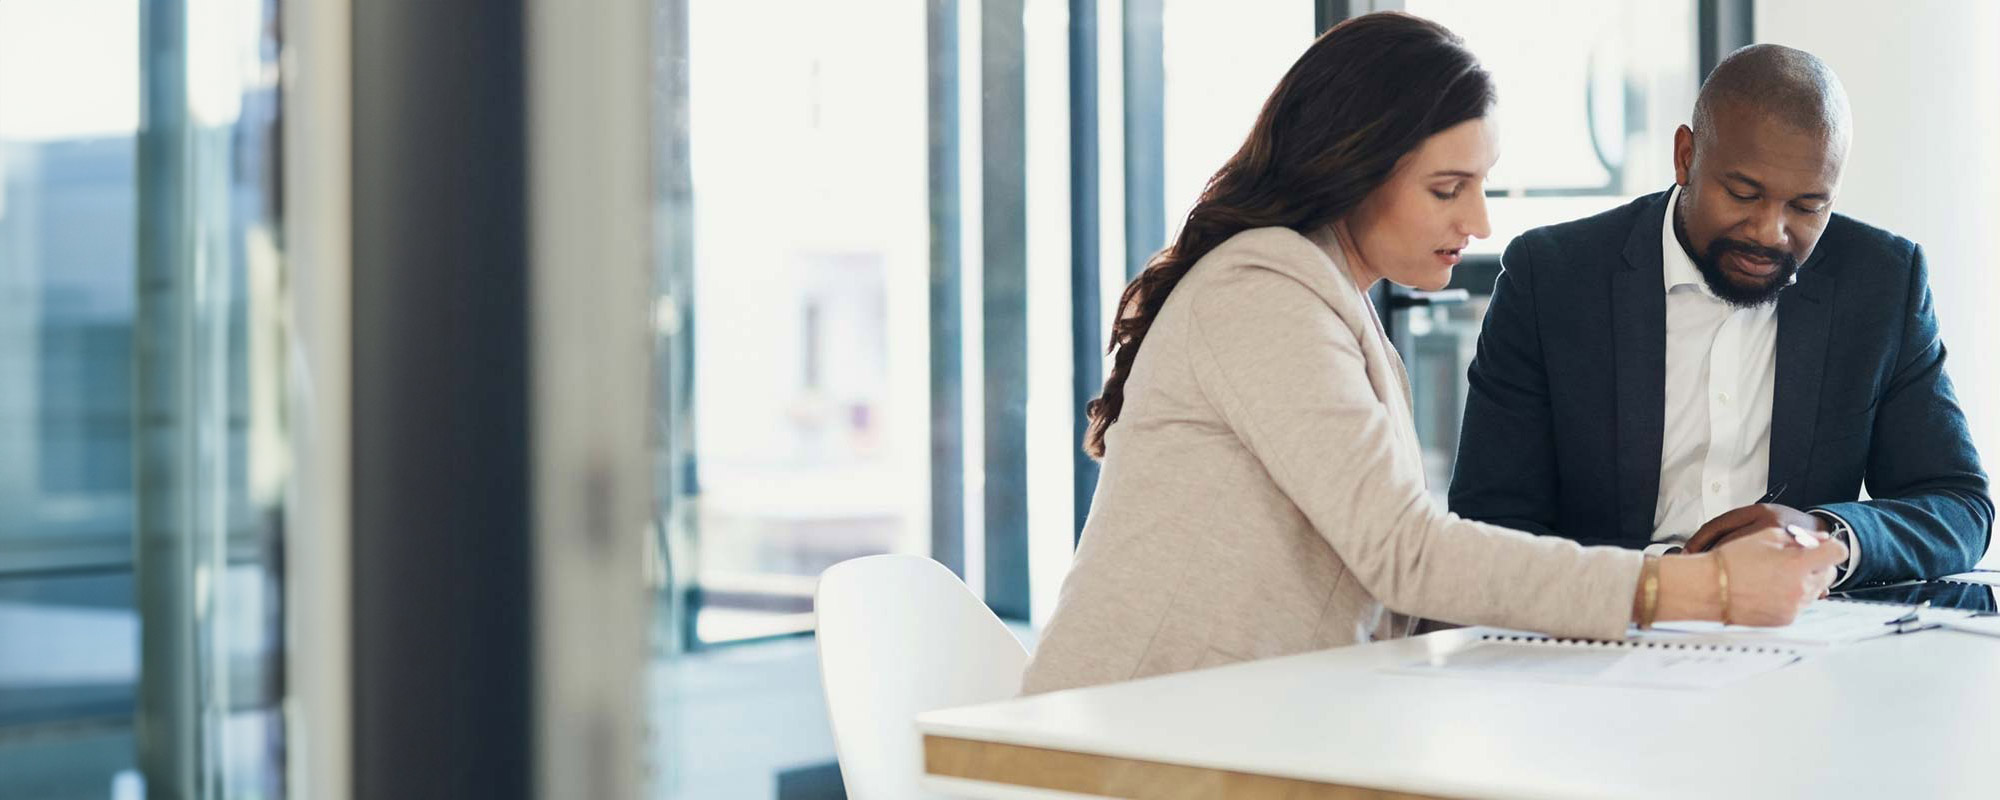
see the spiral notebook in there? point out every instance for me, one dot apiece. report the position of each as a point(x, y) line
point(1506, 655)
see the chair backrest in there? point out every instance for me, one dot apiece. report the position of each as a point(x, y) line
point(900, 635)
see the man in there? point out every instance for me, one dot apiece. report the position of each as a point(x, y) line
point(1727, 356)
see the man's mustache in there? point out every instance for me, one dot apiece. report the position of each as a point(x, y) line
point(1772, 255)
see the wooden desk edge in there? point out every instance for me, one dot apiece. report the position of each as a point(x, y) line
point(1110, 776)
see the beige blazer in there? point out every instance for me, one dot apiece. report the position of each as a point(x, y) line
point(1263, 494)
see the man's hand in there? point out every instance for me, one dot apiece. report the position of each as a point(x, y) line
point(1750, 519)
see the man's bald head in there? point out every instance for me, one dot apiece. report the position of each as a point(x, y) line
point(1774, 82)
point(1759, 170)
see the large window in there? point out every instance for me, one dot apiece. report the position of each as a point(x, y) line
point(859, 355)
point(141, 456)
point(805, 417)
point(67, 295)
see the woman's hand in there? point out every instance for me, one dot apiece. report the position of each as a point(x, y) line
point(1771, 579)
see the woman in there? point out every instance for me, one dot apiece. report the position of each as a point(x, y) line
point(1262, 490)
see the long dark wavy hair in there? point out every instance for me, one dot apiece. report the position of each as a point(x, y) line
point(1369, 91)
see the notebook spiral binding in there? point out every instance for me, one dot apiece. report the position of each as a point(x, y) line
point(1635, 645)
point(1867, 602)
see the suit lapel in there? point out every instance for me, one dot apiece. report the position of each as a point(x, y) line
point(1639, 337)
point(1805, 321)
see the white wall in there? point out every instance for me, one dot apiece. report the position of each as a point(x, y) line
point(1924, 81)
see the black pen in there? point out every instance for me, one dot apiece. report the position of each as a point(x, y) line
point(1913, 617)
point(1771, 496)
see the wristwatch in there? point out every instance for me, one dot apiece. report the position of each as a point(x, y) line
point(1842, 531)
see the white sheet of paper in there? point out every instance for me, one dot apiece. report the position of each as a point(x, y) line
point(1824, 623)
point(1988, 625)
point(1987, 577)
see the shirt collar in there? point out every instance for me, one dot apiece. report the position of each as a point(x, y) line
point(1677, 269)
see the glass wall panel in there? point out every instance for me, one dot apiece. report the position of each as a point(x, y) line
point(808, 403)
point(74, 407)
point(69, 631)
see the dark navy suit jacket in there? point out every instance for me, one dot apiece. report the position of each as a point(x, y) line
point(1567, 399)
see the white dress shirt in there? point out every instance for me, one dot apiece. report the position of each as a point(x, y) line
point(1715, 453)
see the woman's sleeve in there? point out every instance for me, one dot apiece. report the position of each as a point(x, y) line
point(1287, 374)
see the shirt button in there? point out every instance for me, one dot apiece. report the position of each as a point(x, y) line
point(1724, 397)
point(1715, 487)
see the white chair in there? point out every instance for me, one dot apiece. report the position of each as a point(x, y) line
point(900, 635)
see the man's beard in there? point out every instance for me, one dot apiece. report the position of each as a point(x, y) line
point(1712, 273)
point(1709, 263)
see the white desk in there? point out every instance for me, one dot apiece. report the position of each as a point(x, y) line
point(1916, 715)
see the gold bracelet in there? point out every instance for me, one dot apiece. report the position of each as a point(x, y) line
point(1722, 585)
point(1649, 592)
